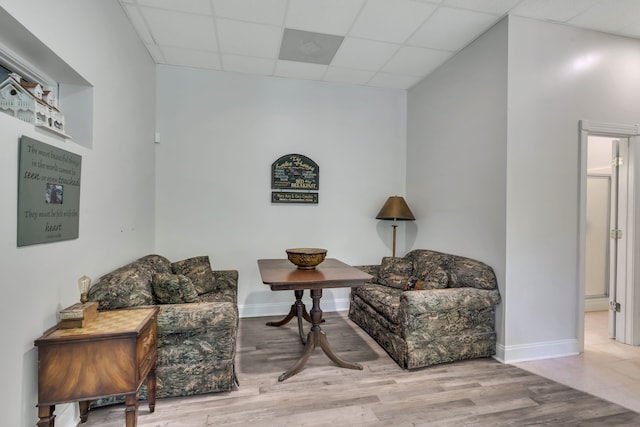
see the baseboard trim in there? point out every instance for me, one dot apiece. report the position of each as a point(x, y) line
point(274, 309)
point(536, 351)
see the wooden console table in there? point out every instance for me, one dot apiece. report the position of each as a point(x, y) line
point(111, 356)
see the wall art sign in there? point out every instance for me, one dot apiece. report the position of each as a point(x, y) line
point(299, 178)
point(291, 197)
point(48, 193)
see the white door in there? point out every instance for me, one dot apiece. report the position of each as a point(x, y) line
point(618, 303)
point(596, 288)
point(624, 264)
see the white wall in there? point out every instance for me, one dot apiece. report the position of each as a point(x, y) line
point(117, 187)
point(513, 202)
point(456, 156)
point(220, 133)
point(558, 75)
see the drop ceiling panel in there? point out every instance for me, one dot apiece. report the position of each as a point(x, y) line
point(348, 75)
point(437, 32)
point(190, 6)
point(270, 12)
point(391, 20)
point(300, 70)
point(244, 38)
point(388, 43)
point(416, 61)
point(181, 29)
point(393, 81)
point(327, 16)
point(247, 64)
point(192, 58)
point(553, 10)
point(609, 16)
point(496, 7)
point(364, 54)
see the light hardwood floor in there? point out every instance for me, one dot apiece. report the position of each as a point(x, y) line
point(480, 392)
point(607, 368)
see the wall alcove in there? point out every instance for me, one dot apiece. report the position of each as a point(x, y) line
point(24, 53)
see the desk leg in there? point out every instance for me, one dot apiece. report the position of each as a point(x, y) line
point(317, 337)
point(131, 411)
point(84, 410)
point(45, 413)
point(151, 389)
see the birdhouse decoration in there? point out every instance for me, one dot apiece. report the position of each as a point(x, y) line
point(29, 102)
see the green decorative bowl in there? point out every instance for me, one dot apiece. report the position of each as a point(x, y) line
point(306, 258)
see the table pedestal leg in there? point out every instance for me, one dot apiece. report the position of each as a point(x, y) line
point(298, 310)
point(317, 337)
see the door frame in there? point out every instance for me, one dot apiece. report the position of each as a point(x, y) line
point(586, 128)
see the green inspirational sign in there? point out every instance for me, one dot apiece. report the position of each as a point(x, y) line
point(48, 193)
point(295, 172)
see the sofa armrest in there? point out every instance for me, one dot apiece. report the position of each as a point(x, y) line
point(426, 315)
point(197, 317)
point(370, 269)
point(420, 302)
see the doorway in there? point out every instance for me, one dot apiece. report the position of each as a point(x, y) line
point(601, 284)
point(606, 235)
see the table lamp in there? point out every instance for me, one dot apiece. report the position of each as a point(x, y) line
point(396, 209)
point(83, 285)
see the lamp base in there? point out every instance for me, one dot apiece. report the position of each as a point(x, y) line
point(393, 251)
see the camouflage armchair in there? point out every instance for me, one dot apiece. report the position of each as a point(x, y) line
point(428, 307)
point(197, 320)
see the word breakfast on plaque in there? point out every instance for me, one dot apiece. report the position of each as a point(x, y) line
point(298, 179)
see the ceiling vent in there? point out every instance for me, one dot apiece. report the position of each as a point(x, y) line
point(305, 46)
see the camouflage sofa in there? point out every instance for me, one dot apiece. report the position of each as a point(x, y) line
point(428, 307)
point(197, 320)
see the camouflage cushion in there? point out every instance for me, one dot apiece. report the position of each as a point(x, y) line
point(173, 288)
point(460, 271)
point(469, 272)
point(433, 276)
point(198, 269)
point(156, 263)
point(394, 272)
point(128, 286)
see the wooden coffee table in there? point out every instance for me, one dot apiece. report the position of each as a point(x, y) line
point(282, 275)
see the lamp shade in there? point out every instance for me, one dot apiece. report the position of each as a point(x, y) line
point(395, 208)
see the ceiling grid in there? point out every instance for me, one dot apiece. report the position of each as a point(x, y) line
point(387, 43)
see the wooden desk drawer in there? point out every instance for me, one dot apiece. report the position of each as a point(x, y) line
point(147, 349)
